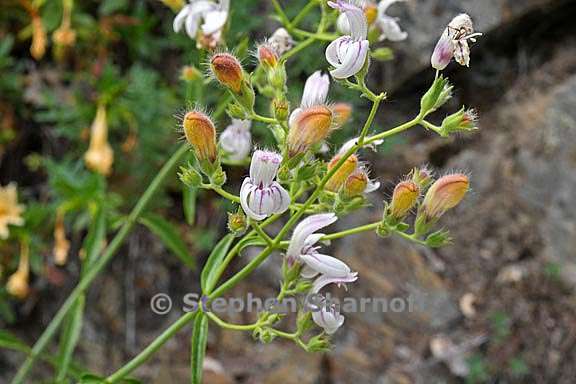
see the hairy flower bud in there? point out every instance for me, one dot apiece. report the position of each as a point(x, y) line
point(267, 55)
point(438, 94)
point(446, 193)
point(280, 108)
point(404, 198)
point(17, 284)
point(201, 134)
point(422, 177)
point(342, 113)
point(237, 223)
point(308, 127)
point(227, 70)
point(190, 73)
point(461, 121)
point(189, 176)
point(339, 178)
point(355, 184)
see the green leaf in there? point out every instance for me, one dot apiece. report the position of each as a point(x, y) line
point(95, 239)
point(168, 234)
point(189, 202)
point(208, 277)
point(69, 337)
point(251, 242)
point(198, 350)
point(10, 341)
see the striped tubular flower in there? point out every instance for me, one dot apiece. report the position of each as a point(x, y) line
point(347, 54)
point(260, 195)
point(328, 317)
point(388, 25)
point(203, 21)
point(236, 140)
point(302, 249)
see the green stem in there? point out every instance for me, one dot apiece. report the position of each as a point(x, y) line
point(152, 348)
point(393, 131)
point(222, 192)
point(281, 14)
point(352, 231)
point(261, 232)
point(234, 327)
point(99, 264)
point(264, 119)
point(315, 35)
point(305, 11)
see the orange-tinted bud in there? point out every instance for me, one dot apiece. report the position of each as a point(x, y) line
point(355, 184)
point(190, 73)
point(267, 56)
point(371, 12)
point(342, 113)
point(201, 134)
point(309, 127)
point(339, 178)
point(404, 198)
point(446, 193)
point(227, 69)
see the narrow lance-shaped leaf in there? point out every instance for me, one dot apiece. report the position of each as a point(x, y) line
point(208, 276)
point(69, 339)
point(169, 236)
point(198, 350)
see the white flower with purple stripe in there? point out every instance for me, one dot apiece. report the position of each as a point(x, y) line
point(236, 140)
point(302, 249)
point(328, 317)
point(347, 54)
point(260, 195)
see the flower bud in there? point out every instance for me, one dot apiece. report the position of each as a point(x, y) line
point(280, 108)
point(267, 56)
point(237, 223)
point(190, 73)
point(201, 134)
point(38, 47)
point(438, 94)
point(404, 198)
point(227, 70)
point(318, 343)
point(339, 178)
point(189, 176)
point(422, 177)
point(461, 121)
point(342, 113)
point(308, 127)
point(355, 184)
point(99, 156)
point(446, 193)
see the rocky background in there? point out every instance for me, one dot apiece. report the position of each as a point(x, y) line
point(504, 304)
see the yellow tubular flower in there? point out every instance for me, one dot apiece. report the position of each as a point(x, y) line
point(227, 70)
point(100, 155)
point(17, 284)
point(404, 198)
point(10, 210)
point(61, 244)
